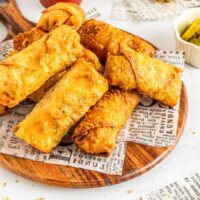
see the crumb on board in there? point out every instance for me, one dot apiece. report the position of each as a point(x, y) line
point(5, 184)
point(193, 132)
point(17, 181)
point(130, 191)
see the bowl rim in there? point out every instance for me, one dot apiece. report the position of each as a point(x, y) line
point(177, 21)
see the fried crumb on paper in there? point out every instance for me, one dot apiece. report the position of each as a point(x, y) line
point(130, 191)
point(5, 184)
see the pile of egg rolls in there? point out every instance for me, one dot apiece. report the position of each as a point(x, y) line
point(86, 74)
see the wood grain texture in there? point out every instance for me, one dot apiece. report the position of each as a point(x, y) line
point(13, 19)
point(139, 158)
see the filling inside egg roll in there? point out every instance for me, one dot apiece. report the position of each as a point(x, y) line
point(24, 72)
point(62, 106)
point(97, 131)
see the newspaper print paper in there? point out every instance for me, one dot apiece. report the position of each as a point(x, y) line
point(153, 123)
point(134, 10)
point(94, 14)
point(67, 153)
point(184, 189)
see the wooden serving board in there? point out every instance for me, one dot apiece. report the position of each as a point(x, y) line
point(139, 158)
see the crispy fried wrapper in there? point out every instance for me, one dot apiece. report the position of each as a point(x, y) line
point(88, 56)
point(24, 72)
point(97, 131)
point(62, 107)
point(61, 13)
point(23, 40)
point(102, 38)
point(149, 76)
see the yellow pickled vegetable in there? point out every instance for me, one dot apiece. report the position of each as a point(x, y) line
point(193, 31)
point(195, 41)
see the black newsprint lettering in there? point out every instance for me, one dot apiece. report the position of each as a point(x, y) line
point(14, 143)
point(102, 166)
point(188, 193)
point(196, 186)
point(59, 155)
point(87, 163)
point(95, 164)
point(170, 116)
point(80, 162)
point(169, 132)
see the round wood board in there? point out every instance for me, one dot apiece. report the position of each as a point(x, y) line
point(139, 159)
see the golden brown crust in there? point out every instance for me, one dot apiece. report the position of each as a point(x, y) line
point(152, 77)
point(88, 56)
point(62, 107)
point(61, 13)
point(3, 110)
point(23, 40)
point(98, 130)
point(118, 72)
point(102, 38)
point(24, 72)
point(38, 94)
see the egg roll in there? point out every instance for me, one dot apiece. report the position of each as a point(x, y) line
point(102, 38)
point(97, 131)
point(61, 13)
point(88, 56)
point(133, 70)
point(62, 107)
point(26, 71)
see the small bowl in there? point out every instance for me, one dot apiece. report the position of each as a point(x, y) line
point(180, 25)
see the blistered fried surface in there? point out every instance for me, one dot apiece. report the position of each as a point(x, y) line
point(23, 73)
point(61, 13)
point(62, 107)
point(155, 78)
point(118, 72)
point(38, 94)
point(88, 56)
point(23, 40)
point(98, 130)
point(102, 38)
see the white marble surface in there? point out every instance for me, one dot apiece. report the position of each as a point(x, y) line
point(182, 161)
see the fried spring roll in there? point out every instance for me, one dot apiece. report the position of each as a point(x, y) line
point(3, 110)
point(102, 38)
point(23, 73)
point(61, 13)
point(149, 76)
point(98, 130)
point(38, 94)
point(23, 40)
point(62, 107)
point(88, 56)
